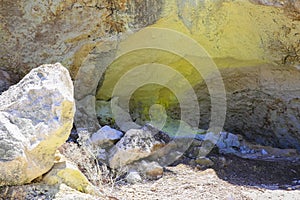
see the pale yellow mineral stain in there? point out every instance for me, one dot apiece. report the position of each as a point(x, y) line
point(234, 34)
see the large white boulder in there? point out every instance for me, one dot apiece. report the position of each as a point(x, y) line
point(36, 117)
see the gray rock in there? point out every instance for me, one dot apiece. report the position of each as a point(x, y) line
point(135, 145)
point(7, 79)
point(36, 117)
point(228, 141)
point(102, 155)
point(204, 162)
point(151, 170)
point(104, 113)
point(85, 116)
point(261, 108)
point(106, 137)
point(133, 177)
point(86, 83)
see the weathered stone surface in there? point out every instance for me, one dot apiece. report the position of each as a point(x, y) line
point(104, 113)
point(238, 35)
point(85, 116)
point(151, 170)
point(204, 162)
point(106, 137)
point(66, 172)
point(133, 177)
point(262, 98)
point(227, 141)
point(7, 79)
point(262, 104)
point(136, 144)
point(292, 7)
point(40, 190)
point(67, 193)
point(65, 30)
point(87, 80)
point(36, 117)
point(83, 35)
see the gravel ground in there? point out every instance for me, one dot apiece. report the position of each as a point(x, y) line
point(231, 178)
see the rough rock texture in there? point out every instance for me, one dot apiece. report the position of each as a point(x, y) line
point(133, 177)
point(82, 35)
point(148, 170)
point(136, 144)
point(262, 104)
point(228, 142)
point(7, 79)
point(66, 172)
point(151, 170)
point(241, 37)
point(35, 32)
point(44, 191)
point(106, 137)
point(291, 7)
point(36, 117)
point(86, 83)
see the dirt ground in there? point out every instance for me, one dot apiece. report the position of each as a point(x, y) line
point(230, 178)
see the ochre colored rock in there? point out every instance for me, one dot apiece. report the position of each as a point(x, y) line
point(65, 172)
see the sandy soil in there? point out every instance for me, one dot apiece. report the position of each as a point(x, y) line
point(230, 178)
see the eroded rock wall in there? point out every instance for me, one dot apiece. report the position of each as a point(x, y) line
point(256, 48)
point(240, 37)
point(37, 32)
point(262, 104)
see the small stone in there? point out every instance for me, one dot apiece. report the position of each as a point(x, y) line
point(204, 162)
point(232, 140)
point(104, 113)
point(227, 141)
point(102, 155)
point(222, 161)
point(264, 152)
point(65, 172)
point(133, 177)
point(152, 170)
point(106, 137)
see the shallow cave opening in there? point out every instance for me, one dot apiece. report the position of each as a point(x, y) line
point(262, 110)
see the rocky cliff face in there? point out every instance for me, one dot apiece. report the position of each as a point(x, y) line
point(255, 45)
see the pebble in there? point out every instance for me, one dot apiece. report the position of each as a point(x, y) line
point(133, 177)
point(264, 152)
